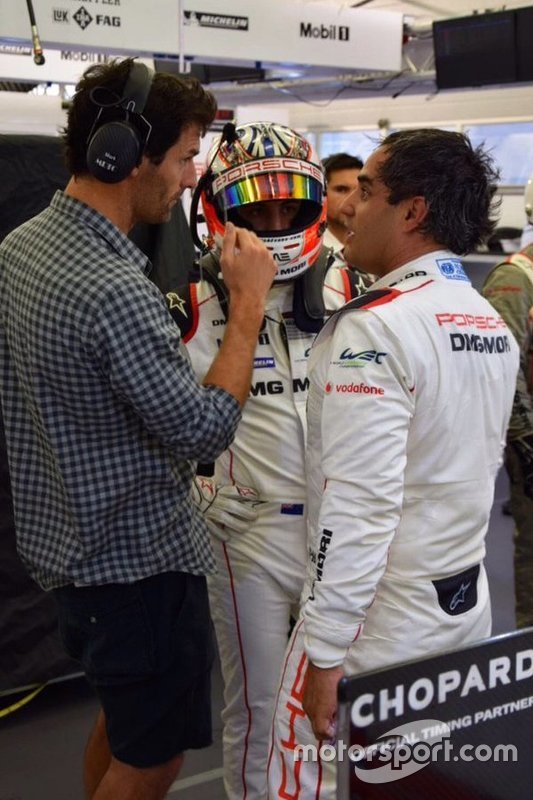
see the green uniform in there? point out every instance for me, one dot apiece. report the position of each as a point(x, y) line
point(509, 288)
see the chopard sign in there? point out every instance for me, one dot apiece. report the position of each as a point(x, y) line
point(205, 19)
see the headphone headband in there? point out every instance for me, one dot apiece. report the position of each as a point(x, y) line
point(137, 88)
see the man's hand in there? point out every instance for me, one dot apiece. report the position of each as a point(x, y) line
point(248, 270)
point(320, 699)
point(248, 267)
point(230, 509)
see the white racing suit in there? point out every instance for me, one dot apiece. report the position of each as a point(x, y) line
point(260, 573)
point(409, 402)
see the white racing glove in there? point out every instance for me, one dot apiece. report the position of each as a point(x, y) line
point(227, 509)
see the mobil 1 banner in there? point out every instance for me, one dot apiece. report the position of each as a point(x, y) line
point(458, 726)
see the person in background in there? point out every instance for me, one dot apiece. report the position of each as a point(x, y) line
point(403, 448)
point(267, 179)
point(104, 420)
point(527, 232)
point(509, 288)
point(341, 171)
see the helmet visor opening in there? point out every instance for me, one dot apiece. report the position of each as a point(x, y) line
point(307, 214)
point(272, 186)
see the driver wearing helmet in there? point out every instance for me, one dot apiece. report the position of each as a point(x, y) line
point(269, 179)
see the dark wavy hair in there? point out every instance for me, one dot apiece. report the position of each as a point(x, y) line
point(458, 181)
point(337, 161)
point(173, 104)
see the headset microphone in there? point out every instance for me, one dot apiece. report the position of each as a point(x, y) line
point(230, 135)
point(38, 56)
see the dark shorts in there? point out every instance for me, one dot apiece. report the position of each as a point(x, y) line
point(147, 649)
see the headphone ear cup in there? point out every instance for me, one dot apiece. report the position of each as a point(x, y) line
point(113, 152)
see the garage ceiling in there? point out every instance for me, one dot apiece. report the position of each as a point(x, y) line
point(322, 85)
point(430, 9)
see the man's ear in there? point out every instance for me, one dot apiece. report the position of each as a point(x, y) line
point(416, 209)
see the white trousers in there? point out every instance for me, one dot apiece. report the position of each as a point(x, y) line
point(404, 622)
point(253, 596)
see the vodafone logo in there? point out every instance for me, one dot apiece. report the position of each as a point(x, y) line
point(353, 388)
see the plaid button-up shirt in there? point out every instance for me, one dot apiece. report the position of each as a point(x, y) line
point(104, 417)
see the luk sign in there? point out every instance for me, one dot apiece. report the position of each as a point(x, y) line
point(83, 18)
point(114, 26)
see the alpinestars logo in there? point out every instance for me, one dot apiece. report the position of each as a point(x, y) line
point(83, 18)
point(339, 33)
point(175, 301)
point(205, 19)
point(459, 596)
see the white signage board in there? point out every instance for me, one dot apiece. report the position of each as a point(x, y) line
point(266, 31)
point(60, 66)
point(274, 31)
point(114, 25)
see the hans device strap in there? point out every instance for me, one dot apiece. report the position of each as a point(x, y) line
point(308, 304)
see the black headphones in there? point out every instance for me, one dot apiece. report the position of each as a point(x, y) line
point(115, 146)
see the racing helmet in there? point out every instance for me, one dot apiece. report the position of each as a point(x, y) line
point(528, 200)
point(266, 161)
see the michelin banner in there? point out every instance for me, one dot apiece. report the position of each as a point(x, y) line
point(266, 31)
point(453, 727)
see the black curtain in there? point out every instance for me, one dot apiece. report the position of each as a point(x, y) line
point(32, 169)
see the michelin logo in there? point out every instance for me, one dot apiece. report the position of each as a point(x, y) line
point(204, 19)
point(264, 362)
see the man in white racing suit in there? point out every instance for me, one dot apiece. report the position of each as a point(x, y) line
point(411, 390)
point(269, 179)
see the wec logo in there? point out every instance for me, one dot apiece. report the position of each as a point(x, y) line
point(361, 359)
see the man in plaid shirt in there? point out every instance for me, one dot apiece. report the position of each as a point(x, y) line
point(105, 420)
